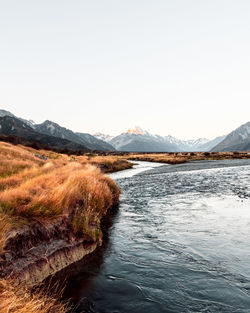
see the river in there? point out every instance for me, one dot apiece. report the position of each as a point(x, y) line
point(179, 243)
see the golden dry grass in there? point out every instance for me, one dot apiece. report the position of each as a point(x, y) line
point(182, 157)
point(45, 189)
point(107, 164)
point(43, 185)
point(58, 192)
point(21, 300)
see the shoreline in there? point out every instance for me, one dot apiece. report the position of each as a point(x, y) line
point(53, 212)
point(45, 237)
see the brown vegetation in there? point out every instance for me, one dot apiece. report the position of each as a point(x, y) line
point(182, 157)
point(47, 185)
point(21, 300)
point(43, 186)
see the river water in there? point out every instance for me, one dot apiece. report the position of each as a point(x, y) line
point(179, 243)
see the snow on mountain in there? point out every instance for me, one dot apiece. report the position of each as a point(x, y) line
point(134, 139)
point(141, 143)
point(136, 131)
point(96, 143)
point(103, 137)
point(243, 131)
point(139, 140)
point(7, 113)
point(187, 145)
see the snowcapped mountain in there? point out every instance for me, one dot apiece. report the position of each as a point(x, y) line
point(137, 131)
point(138, 140)
point(103, 137)
point(239, 139)
point(135, 139)
point(188, 145)
point(95, 143)
point(7, 113)
point(195, 145)
point(142, 143)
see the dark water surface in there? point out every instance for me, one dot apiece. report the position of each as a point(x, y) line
point(179, 243)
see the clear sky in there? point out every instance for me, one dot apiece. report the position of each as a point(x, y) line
point(179, 67)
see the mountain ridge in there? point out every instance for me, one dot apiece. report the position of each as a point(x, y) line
point(91, 142)
point(138, 140)
point(238, 139)
point(49, 128)
point(133, 140)
point(12, 126)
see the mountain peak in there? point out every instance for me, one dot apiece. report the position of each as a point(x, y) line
point(237, 140)
point(103, 137)
point(6, 113)
point(136, 131)
point(48, 122)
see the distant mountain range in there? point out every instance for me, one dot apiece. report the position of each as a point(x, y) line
point(50, 134)
point(138, 140)
point(11, 126)
point(87, 140)
point(135, 139)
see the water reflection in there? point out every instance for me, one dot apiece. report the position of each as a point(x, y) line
point(139, 167)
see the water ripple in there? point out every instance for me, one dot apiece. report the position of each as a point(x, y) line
point(180, 244)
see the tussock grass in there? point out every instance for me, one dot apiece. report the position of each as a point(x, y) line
point(21, 300)
point(182, 157)
point(59, 191)
point(44, 185)
point(27, 173)
point(58, 185)
point(107, 164)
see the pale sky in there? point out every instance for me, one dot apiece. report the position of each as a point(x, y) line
point(179, 67)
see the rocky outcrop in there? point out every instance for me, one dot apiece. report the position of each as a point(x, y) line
point(41, 249)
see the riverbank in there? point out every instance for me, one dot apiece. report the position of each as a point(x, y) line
point(52, 210)
point(179, 243)
point(184, 157)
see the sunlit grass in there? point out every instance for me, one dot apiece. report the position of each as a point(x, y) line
point(182, 157)
point(18, 299)
point(44, 185)
point(47, 189)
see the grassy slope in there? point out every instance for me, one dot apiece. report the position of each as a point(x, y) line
point(43, 186)
point(36, 188)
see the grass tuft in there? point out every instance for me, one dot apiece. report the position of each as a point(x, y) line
point(47, 189)
point(21, 300)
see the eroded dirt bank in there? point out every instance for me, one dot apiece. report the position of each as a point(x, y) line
point(39, 250)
